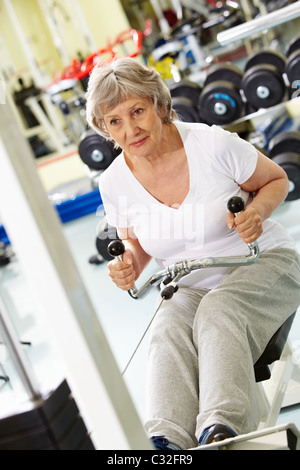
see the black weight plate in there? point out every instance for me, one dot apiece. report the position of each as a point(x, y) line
point(290, 162)
point(266, 57)
point(293, 46)
point(263, 86)
point(185, 108)
point(220, 103)
point(104, 238)
point(292, 66)
point(249, 109)
point(288, 141)
point(225, 71)
point(95, 151)
point(186, 89)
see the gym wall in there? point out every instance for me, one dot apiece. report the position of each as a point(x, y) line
point(105, 20)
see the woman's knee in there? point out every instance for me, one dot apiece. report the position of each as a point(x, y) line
point(218, 316)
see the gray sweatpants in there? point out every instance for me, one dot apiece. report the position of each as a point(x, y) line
point(204, 344)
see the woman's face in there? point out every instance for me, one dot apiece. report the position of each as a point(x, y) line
point(135, 126)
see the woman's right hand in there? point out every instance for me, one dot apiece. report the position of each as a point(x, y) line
point(122, 272)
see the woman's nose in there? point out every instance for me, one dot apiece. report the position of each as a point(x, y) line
point(131, 128)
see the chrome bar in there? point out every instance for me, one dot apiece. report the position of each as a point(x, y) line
point(17, 354)
point(185, 267)
point(262, 23)
point(154, 280)
point(229, 261)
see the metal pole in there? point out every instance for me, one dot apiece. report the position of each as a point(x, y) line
point(48, 11)
point(163, 24)
point(45, 122)
point(45, 258)
point(75, 11)
point(260, 24)
point(17, 354)
point(38, 77)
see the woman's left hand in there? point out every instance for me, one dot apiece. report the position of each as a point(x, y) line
point(248, 224)
point(270, 184)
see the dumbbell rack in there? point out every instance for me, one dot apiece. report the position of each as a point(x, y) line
point(267, 128)
point(277, 68)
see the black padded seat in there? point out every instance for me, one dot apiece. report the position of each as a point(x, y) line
point(273, 351)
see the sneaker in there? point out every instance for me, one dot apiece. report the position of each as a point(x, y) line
point(161, 443)
point(216, 433)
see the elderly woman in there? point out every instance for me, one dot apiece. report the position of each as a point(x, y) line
point(167, 195)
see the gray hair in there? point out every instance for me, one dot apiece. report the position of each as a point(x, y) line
point(112, 83)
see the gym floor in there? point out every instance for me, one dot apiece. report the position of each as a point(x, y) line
point(123, 319)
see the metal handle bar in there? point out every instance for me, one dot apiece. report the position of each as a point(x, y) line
point(175, 272)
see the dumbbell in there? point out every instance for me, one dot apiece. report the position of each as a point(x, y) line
point(95, 151)
point(263, 84)
point(284, 149)
point(292, 66)
point(185, 95)
point(185, 109)
point(220, 101)
point(186, 89)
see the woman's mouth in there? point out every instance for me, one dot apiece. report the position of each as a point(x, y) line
point(138, 143)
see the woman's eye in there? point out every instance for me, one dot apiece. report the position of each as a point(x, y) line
point(138, 112)
point(114, 122)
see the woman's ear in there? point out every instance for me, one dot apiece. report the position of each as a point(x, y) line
point(161, 111)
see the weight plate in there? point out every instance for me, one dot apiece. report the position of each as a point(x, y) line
point(220, 103)
point(225, 71)
point(95, 151)
point(249, 109)
point(263, 86)
point(186, 89)
point(185, 109)
point(292, 67)
point(104, 238)
point(267, 57)
point(293, 46)
point(290, 162)
point(288, 141)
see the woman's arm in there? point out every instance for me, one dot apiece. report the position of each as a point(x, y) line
point(134, 260)
point(270, 184)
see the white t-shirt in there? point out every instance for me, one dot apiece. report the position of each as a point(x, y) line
point(219, 161)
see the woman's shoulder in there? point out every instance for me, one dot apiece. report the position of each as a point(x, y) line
point(199, 130)
point(192, 126)
point(112, 173)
